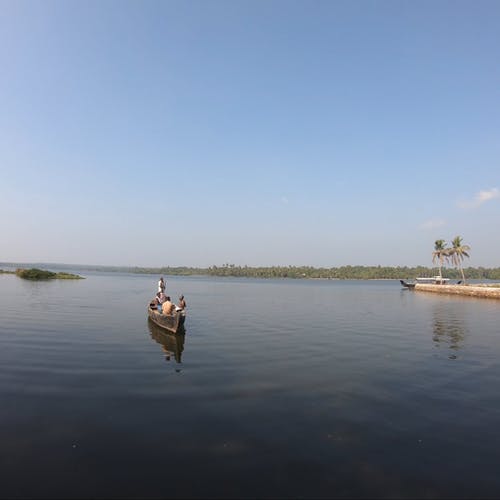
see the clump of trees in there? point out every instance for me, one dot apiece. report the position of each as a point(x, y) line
point(455, 254)
point(41, 274)
point(35, 274)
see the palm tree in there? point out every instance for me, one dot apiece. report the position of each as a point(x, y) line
point(440, 253)
point(458, 252)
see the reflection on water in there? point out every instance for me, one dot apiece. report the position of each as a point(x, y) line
point(449, 328)
point(346, 398)
point(172, 344)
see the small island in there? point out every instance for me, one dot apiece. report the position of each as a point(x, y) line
point(35, 274)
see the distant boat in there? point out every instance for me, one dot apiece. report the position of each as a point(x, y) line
point(173, 323)
point(434, 280)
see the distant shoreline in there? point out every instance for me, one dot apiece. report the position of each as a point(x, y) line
point(291, 272)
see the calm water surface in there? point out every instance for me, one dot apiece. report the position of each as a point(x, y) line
point(279, 388)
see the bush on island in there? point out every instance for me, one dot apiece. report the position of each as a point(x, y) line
point(40, 274)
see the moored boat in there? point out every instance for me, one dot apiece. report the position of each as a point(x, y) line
point(406, 284)
point(433, 280)
point(173, 323)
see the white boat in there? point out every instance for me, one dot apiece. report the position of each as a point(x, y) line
point(434, 280)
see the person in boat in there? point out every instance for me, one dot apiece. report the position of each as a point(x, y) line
point(182, 304)
point(161, 297)
point(167, 307)
point(161, 285)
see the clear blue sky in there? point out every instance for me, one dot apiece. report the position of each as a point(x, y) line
point(194, 133)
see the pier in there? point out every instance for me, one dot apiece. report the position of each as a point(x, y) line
point(485, 291)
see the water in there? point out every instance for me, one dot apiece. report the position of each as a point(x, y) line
point(279, 388)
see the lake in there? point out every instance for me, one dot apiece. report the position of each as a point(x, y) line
point(279, 388)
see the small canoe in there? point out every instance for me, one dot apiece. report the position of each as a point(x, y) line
point(173, 323)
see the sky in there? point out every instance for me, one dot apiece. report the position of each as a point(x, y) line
point(259, 133)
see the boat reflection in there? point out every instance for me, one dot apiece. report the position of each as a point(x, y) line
point(172, 343)
point(449, 328)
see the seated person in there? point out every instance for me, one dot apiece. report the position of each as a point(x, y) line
point(182, 304)
point(161, 297)
point(167, 307)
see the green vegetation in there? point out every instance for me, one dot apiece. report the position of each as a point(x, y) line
point(68, 276)
point(2, 271)
point(455, 254)
point(35, 274)
point(458, 252)
point(40, 274)
point(308, 272)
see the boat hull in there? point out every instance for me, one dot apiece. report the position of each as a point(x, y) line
point(435, 280)
point(173, 323)
point(405, 284)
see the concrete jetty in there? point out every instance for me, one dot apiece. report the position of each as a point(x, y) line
point(475, 290)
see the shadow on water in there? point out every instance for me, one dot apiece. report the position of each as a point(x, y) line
point(449, 328)
point(172, 344)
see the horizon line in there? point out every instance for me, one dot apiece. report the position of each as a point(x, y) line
point(225, 265)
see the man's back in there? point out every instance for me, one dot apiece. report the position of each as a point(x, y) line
point(167, 307)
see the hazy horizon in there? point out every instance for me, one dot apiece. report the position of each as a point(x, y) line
point(191, 133)
point(220, 265)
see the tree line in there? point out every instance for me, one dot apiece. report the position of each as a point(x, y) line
point(453, 254)
point(442, 254)
point(309, 272)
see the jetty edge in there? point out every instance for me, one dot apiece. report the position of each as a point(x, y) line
point(490, 291)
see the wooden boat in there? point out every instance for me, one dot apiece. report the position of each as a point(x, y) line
point(173, 323)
